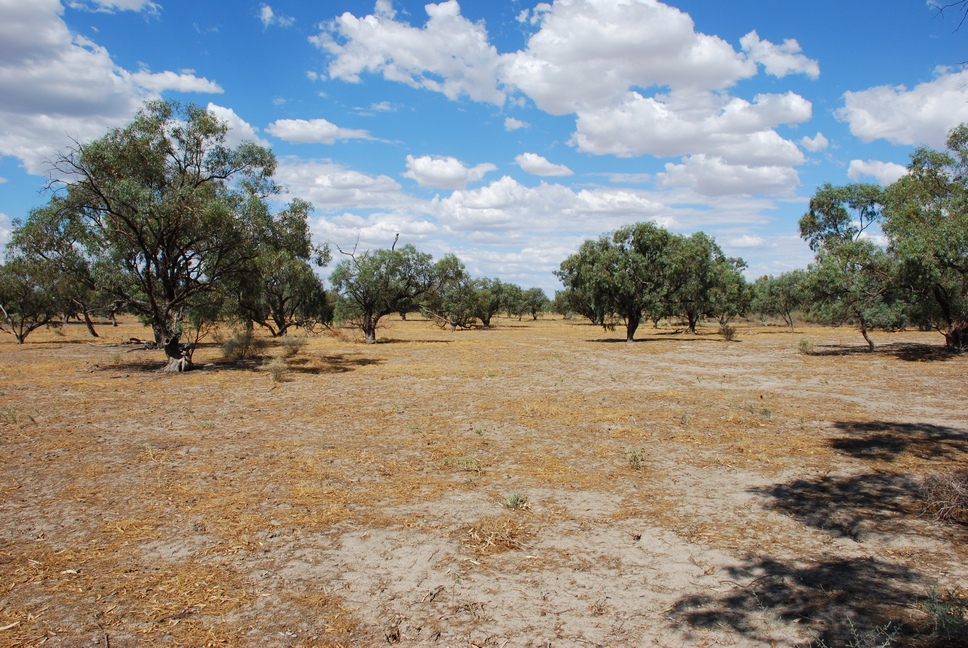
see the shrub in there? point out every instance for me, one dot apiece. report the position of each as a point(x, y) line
point(634, 457)
point(728, 332)
point(278, 369)
point(293, 344)
point(516, 500)
point(242, 344)
point(805, 346)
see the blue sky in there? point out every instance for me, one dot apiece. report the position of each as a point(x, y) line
point(506, 132)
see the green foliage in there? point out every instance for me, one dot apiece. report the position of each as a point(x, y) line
point(31, 296)
point(621, 275)
point(781, 296)
point(375, 283)
point(283, 290)
point(854, 282)
point(534, 301)
point(805, 346)
point(158, 215)
point(840, 214)
point(927, 223)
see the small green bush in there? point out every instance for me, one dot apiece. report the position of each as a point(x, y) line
point(728, 332)
point(805, 346)
point(241, 344)
point(516, 500)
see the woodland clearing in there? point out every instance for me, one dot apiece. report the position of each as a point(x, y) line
point(534, 484)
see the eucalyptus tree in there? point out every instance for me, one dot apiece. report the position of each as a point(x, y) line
point(159, 213)
point(621, 275)
point(375, 283)
point(781, 296)
point(926, 221)
point(31, 296)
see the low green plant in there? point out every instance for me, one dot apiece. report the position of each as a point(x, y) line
point(728, 332)
point(516, 500)
point(948, 617)
point(805, 346)
point(634, 458)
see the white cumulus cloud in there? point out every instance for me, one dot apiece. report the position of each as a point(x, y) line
point(450, 54)
point(56, 86)
point(779, 60)
point(885, 173)
point(331, 186)
point(712, 176)
point(319, 131)
point(512, 124)
point(239, 129)
point(814, 144)
point(920, 115)
point(538, 165)
point(444, 172)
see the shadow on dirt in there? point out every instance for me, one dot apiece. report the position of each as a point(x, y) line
point(887, 441)
point(908, 351)
point(838, 601)
point(333, 363)
point(851, 507)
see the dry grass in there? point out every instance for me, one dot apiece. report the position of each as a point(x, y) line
point(215, 508)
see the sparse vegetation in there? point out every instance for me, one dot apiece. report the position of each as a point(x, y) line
point(946, 495)
point(516, 500)
point(279, 369)
point(805, 346)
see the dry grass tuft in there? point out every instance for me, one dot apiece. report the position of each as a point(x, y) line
point(495, 534)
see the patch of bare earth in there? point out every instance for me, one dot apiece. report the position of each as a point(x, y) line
point(679, 490)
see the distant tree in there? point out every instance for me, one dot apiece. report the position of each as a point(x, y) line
point(490, 299)
point(781, 296)
point(730, 294)
point(852, 278)
point(283, 290)
point(926, 220)
point(854, 282)
point(161, 211)
point(375, 283)
point(31, 296)
point(621, 275)
point(513, 300)
point(702, 282)
point(535, 301)
point(455, 301)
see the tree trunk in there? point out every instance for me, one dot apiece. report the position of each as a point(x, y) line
point(369, 327)
point(956, 339)
point(863, 331)
point(178, 361)
point(630, 326)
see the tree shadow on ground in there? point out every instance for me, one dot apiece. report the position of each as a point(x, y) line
point(838, 601)
point(886, 441)
point(334, 363)
point(908, 351)
point(853, 506)
point(657, 340)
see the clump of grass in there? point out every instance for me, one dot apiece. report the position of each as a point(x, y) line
point(241, 344)
point(946, 495)
point(293, 344)
point(634, 459)
point(517, 501)
point(469, 463)
point(805, 346)
point(728, 332)
point(278, 369)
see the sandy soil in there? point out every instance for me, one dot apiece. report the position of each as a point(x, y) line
point(677, 491)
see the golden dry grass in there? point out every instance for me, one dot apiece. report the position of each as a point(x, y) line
point(144, 508)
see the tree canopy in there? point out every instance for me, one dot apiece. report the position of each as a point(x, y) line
point(160, 215)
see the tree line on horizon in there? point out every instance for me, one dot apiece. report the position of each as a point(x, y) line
point(161, 219)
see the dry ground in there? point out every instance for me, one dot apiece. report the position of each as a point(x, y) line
point(680, 491)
